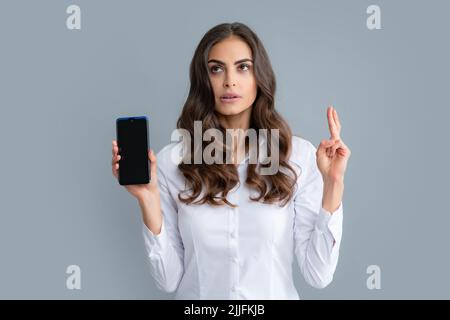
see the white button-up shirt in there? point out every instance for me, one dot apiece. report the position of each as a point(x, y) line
point(247, 252)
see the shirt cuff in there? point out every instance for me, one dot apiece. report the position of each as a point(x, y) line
point(331, 222)
point(152, 241)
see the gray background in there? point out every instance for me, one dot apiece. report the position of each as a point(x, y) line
point(62, 90)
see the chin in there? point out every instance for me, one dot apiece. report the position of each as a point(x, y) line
point(229, 110)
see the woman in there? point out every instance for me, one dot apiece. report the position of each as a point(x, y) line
point(224, 230)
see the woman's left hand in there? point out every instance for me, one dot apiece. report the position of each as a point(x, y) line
point(332, 155)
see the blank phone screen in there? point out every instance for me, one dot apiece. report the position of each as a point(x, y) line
point(132, 140)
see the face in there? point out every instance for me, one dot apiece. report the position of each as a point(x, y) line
point(230, 65)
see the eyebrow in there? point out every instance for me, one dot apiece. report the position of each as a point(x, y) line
point(237, 62)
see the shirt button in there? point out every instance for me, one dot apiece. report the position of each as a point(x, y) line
point(235, 260)
point(233, 234)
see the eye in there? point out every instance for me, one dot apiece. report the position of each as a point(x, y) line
point(215, 69)
point(245, 66)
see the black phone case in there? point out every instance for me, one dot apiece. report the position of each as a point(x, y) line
point(132, 140)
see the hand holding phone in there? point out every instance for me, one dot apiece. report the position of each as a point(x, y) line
point(146, 193)
point(135, 174)
point(137, 190)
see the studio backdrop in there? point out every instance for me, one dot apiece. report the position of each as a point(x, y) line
point(69, 69)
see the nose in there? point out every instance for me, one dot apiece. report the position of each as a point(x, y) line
point(229, 81)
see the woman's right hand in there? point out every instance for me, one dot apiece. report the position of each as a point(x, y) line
point(139, 191)
point(146, 194)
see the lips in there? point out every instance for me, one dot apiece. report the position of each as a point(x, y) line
point(230, 97)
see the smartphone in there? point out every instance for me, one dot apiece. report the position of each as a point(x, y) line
point(132, 141)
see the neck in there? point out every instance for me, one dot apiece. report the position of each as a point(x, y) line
point(236, 121)
point(233, 122)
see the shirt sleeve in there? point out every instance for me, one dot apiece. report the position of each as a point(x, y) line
point(165, 250)
point(317, 232)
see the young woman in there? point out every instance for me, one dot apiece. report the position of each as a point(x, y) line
point(224, 230)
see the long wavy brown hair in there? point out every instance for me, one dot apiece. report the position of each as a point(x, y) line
point(219, 179)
